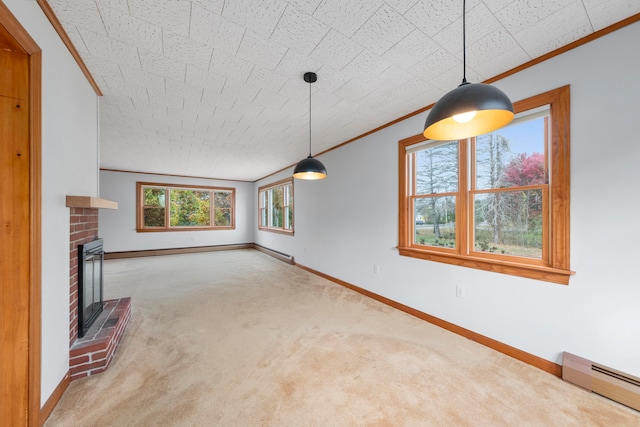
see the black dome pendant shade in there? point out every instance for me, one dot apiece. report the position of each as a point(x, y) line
point(469, 110)
point(310, 168)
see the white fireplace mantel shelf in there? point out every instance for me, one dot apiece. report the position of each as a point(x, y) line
point(90, 202)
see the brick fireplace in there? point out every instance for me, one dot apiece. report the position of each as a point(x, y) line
point(92, 353)
point(83, 228)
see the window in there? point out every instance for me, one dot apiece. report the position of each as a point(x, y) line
point(169, 207)
point(497, 202)
point(275, 203)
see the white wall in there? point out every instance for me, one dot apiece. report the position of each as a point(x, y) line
point(69, 167)
point(348, 222)
point(118, 227)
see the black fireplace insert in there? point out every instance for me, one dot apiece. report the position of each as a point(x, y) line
point(90, 276)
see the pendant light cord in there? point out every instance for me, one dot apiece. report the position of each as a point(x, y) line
point(309, 119)
point(464, 43)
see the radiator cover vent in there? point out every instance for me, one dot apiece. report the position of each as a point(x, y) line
point(607, 382)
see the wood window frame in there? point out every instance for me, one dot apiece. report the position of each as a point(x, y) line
point(554, 266)
point(261, 226)
point(140, 227)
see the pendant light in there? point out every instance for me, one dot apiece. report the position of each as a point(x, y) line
point(469, 110)
point(310, 168)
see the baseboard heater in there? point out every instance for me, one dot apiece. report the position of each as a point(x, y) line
point(279, 255)
point(607, 382)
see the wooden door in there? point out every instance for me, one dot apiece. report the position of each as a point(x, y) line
point(19, 225)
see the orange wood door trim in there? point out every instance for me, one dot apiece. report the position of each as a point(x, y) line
point(20, 269)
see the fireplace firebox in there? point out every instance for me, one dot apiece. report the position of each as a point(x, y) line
point(90, 277)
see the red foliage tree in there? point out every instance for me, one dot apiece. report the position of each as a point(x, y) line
point(526, 170)
point(522, 171)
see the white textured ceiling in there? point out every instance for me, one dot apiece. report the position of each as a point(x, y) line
point(214, 88)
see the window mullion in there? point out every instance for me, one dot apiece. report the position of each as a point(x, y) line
point(411, 164)
point(546, 225)
point(462, 215)
point(285, 208)
point(412, 160)
point(270, 208)
point(212, 208)
point(282, 220)
point(167, 208)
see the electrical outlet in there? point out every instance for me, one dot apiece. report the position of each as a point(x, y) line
point(461, 292)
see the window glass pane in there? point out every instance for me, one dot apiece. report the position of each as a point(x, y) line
point(189, 208)
point(263, 217)
point(509, 223)
point(276, 207)
point(437, 169)
point(222, 211)
point(154, 217)
point(288, 218)
point(154, 197)
point(153, 207)
point(222, 217)
point(270, 208)
point(435, 221)
point(263, 208)
point(512, 156)
point(289, 211)
point(223, 199)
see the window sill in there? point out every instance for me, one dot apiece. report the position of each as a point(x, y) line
point(537, 272)
point(276, 230)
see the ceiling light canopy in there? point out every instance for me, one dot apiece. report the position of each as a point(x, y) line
point(310, 168)
point(469, 110)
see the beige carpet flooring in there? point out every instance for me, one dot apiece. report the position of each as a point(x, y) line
point(238, 338)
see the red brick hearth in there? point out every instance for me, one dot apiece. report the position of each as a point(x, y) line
point(93, 353)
